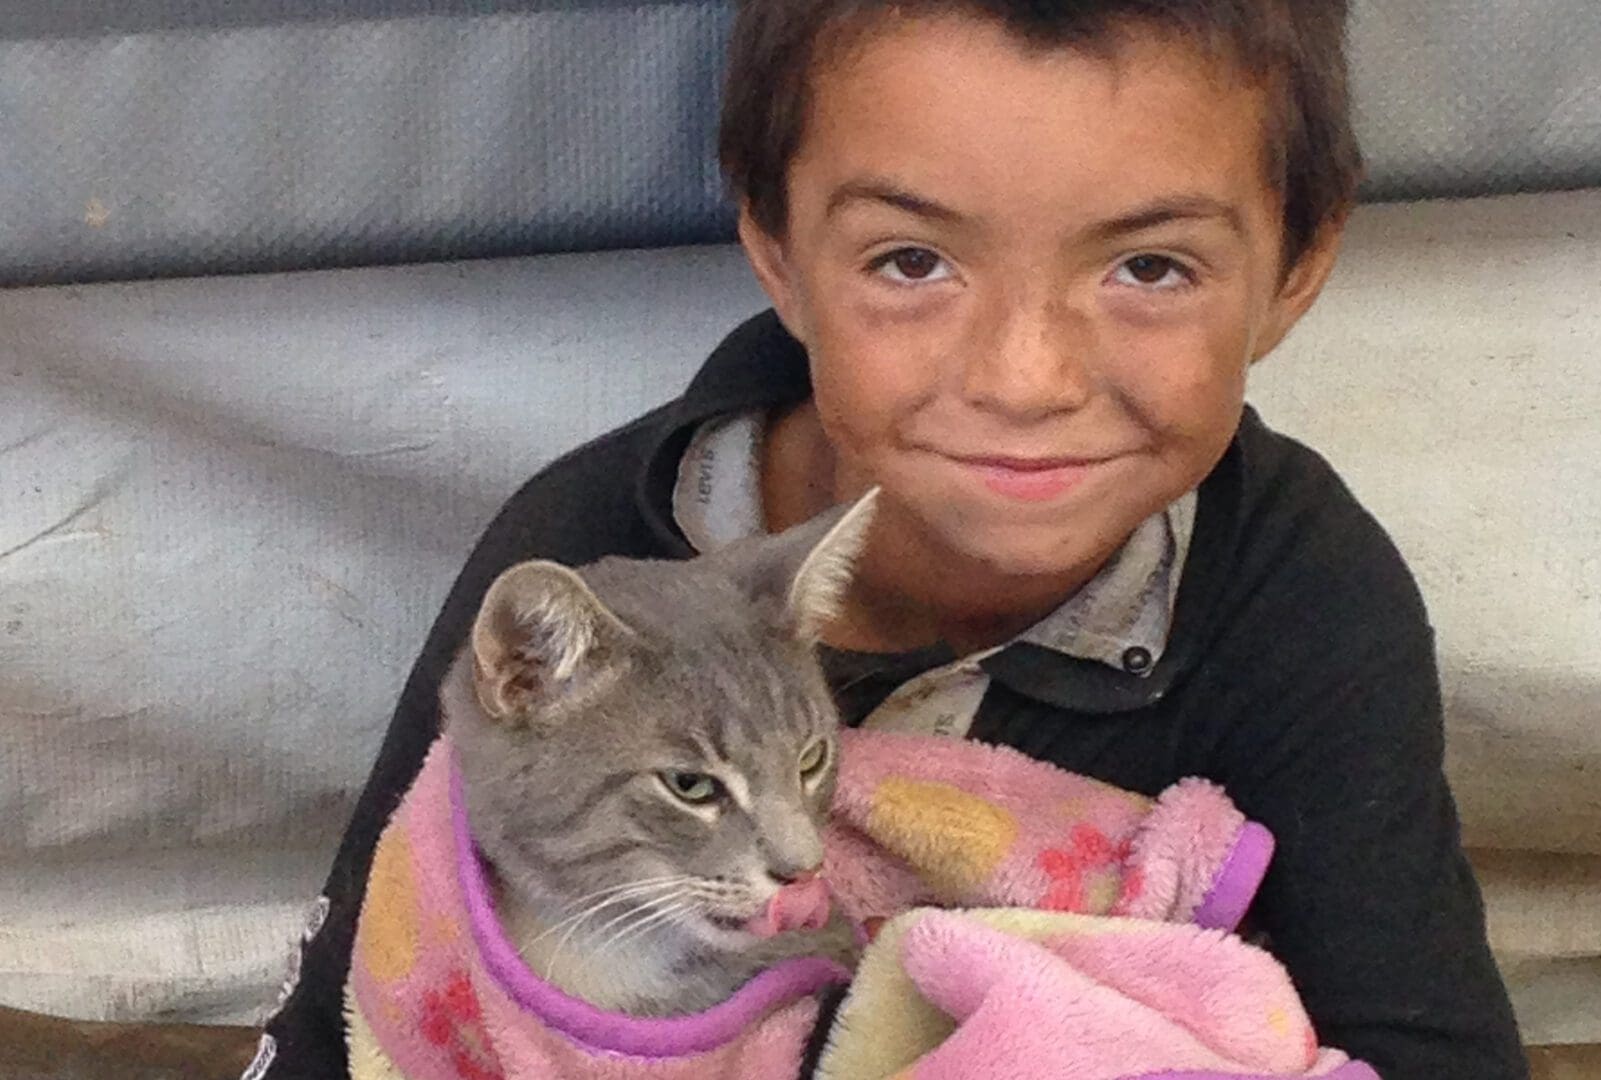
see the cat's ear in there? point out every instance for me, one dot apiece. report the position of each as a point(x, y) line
point(817, 590)
point(540, 628)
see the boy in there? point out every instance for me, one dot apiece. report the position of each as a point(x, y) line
point(1021, 256)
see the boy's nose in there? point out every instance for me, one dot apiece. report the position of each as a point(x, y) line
point(1032, 365)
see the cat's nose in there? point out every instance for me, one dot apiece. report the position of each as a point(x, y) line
point(795, 877)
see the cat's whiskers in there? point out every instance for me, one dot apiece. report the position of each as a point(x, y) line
point(725, 892)
point(627, 886)
point(665, 915)
point(636, 909)
point(643, 906)
point(604, 898)
point(704, 890)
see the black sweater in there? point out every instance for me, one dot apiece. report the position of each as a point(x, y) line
point(1300, 675)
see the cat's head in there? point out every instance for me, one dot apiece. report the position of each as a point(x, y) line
point(653, 739)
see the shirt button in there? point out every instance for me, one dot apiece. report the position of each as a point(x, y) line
point(1136, 660)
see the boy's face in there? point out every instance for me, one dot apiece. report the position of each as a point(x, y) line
point(1030, 283)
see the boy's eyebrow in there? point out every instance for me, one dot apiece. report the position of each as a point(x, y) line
point(1175, 208)
point(1159, 212)
point(872, 189)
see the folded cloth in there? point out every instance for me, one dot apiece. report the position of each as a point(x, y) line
point(924, 820)
point(438, 992)
point(1021, 995)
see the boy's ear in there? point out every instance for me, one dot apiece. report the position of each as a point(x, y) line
point(1301, 285)
point(765, 253)
point(539, 630)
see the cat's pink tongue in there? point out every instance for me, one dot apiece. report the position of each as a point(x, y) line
point(801, 906)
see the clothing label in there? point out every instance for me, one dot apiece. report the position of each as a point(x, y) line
point(718, 497)
point(266, 1051)
point(315, 917)
point(939, 702)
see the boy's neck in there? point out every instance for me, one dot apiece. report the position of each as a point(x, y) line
point(896, 603)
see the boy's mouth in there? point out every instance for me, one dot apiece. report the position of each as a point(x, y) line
point(1029, 479)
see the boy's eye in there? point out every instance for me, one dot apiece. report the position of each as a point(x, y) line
point(694, 788)
point(910, 264)
point(1153, 272)
point(813, 758)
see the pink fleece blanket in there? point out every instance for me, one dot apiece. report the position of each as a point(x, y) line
point(1007, 994)
point(437, 991)
point(926, 821)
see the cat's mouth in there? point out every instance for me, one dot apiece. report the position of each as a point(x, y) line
point(800, 906)
point(733, 924)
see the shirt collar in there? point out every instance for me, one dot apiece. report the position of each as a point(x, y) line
point(1122, 617)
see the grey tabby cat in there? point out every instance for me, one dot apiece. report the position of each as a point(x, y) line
point(648, 753)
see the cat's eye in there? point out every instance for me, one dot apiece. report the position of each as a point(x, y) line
point(695, 788)
point(813, 758)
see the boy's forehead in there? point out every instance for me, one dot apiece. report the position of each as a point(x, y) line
point(956, 106)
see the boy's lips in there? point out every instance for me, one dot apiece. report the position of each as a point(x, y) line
point(1029, 479)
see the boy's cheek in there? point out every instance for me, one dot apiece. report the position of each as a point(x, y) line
point(874, 363)
point(1184, 372)
point(862, 407)
point(867, 311)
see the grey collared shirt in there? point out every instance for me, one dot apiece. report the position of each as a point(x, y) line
point(1121, 617)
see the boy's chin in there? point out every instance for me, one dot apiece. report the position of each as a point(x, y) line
point(1025, 563)
point(1016, 552)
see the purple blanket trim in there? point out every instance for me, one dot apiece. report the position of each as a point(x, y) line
point(1351, 1070)
point(1230, 896)
point(658, 1037)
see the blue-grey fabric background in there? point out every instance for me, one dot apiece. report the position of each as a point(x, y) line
point(142, 138)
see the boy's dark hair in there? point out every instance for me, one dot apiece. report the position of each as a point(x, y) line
point(1295, 47)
